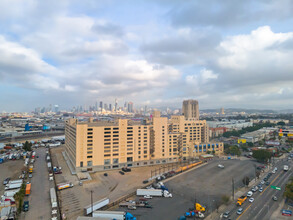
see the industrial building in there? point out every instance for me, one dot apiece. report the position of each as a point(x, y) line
point(100, 145)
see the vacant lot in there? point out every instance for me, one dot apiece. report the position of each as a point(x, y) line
point(206, 185)
point(10, 168)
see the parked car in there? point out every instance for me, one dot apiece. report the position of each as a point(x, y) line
point(147, 197)
point(145, 181)
point(249, 194)
point(275, 198)
point(262, 182)
point(126, 169)
point(30, 175)
point(226, 214)
point(239, 211)
point(6, 181)
point(260, 189)
point(267, 183)
point(221, 166)
point(25, 206)
point(121, 172)
point(251, 199)
point(105, 174)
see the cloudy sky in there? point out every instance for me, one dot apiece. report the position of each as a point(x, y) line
point(155, 52)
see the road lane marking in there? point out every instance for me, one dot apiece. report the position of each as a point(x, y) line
point(260, 195)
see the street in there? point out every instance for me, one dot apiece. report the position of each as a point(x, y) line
point(263, 205)
point(39, 200)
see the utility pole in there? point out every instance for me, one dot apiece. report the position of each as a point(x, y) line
point(233, 188)
point(92, 203)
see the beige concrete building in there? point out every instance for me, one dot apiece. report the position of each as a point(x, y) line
point(97, 146)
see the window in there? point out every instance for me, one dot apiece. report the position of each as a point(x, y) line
point(107, 136)
point(107, 155)
point(107, 151)
point(115, 160)
point(89, 144)
point(90, 163)
point(116, 135)
point(107, 143)
point(145, 152)
point(89, 129)
point(107, 161)
point(107, 129)
point(89, 140)
point(129, 159)
point(89, 157)
point(107, 140)
point(89, 152)
point(115, 142)
point(107, 132)
point(81, 164)
point(115, 154)
point(90, 133)
point(129, 153)
point(115, 128)
point(115, 132)
point(89, 148)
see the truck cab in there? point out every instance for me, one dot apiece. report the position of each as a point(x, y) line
point(241, 200)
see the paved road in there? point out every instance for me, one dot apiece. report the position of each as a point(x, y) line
point(40, 207)
point(206, 184)
point(263, 205)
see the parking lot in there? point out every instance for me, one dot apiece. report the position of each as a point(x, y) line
point(12, 169)
point(113, 186)
point(205, 185)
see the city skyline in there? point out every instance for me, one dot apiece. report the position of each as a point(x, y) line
point(228, 54)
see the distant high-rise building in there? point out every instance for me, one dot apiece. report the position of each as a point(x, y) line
point(116, 104)
point(110, 107)
point(130, 107)
point(101, 105)
point(190, 109)
point(145, 109)
point(56, 108)
point(106, 106)
point(96, 106)
point(222, 111)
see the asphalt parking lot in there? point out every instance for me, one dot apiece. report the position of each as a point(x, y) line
point(206, 185)
point(12, 169)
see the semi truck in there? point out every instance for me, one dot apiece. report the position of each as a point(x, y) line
point(64, 186)
point(117, 215)
point(153, 192)
point(11, 193)
point(241, 200)
point(97, 205)
point(15, 181)
point(53, 198)
point(28, 189)
point(13, 186)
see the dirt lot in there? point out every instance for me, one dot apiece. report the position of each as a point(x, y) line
point(12, 169)
point(113, 186)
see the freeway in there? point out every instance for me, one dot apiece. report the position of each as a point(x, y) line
point(263, 205)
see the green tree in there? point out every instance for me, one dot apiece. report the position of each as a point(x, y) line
point(245, 180)
point(233, 150)
point(261, 155)
point(281, 123)
point(225, 199)
point(250, 144)
point(27, 146)
point(289, 190)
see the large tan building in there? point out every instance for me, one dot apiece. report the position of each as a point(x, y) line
point(99, 145)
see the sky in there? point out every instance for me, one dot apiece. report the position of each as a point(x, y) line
point(154, 52)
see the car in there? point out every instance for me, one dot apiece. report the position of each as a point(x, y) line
point(126, 169)
point(6, 181)
point(105, 174)
point(239, 211)
point(273, 171)
point(30, 175)
point(276, 169)
point(262, 182)
point(249, 194)
point(221, 166)
point(259, 185)
point(25, 206)
point(260, 189)
point(145, 181)
point(265, 179)
point(256, 187)
point(226, 214)
point(251, 200)
point(37, 156)
point(253, 189)
point(121, 172)
point(267, 183)
point(275, 198)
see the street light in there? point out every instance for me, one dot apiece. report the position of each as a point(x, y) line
point(92, 202)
